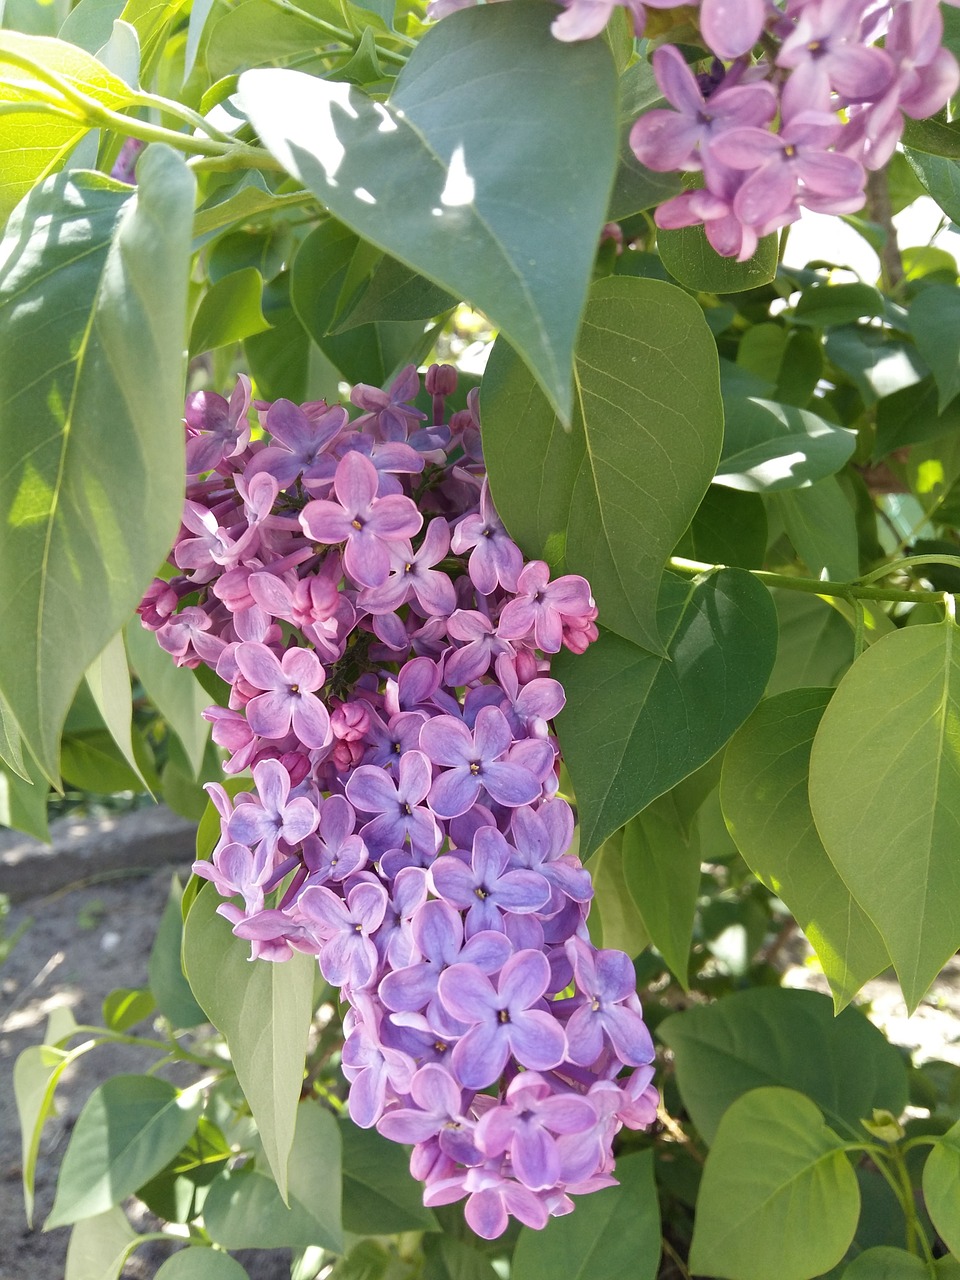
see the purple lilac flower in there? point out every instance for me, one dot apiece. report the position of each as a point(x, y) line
point(287, 701)
point(474, 762)
point(377, 740)
point(370, 526)
point(504, 1020)
point(607, 980)
point(217, 429)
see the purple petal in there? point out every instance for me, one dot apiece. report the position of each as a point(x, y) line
point(447, 741)
point(260, 666)
point(469, 994)
point(456, 791)
point(537, 1040)
point(478, 1059)
point(525, 978)
point(509, 784)
point(371, 790)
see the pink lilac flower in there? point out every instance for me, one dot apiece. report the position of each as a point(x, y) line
point(287, 702)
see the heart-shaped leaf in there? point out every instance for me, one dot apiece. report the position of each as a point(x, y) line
point(635, 724)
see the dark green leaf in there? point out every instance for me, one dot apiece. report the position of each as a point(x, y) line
point(932, 137)
point(92, 761)
point(661, 867)
point(610, 498)
point(885, 777)
point(729, 528)
point(823, 305)
point(614, 920)
point(692, 260)
point(395, 292)
point(875, 364)
point(264, 1012)
point(822, 526)
point(518, 208)
point(612, 1234)
point(935, 325)
point(910, 416)
point(774, 1170)
point(319, 278)
point(127, 1131)
point(780, 1036)
point(243, 1209)
point(379, 1195)
point(88, 414)
point(768, 446)
point(816, 644)
point(635, 724)
point(764, 798)
point(636, 187)
point(940, 176)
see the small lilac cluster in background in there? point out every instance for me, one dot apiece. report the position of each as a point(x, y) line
point(388, 652)
point(801, 99)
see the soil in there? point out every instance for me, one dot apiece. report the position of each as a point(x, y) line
point(89, 938)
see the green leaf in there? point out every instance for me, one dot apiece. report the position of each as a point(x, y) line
point(445, 1258)
point(692, 261)
point(910, 417)
point(775, 1170)
point(453, 176)
point(11, 751)
point(100, 1246)
point(816, 645)
point(127, 1131)
point(89, 24)
point(108, 679)
point(822, 525)
point(264, 1011)
point(613, 1234)
point(229, 312)
point(151, 19)
point(940, 176)
point(636, 187)
point(33, 144)
point(175, 691)
point(614, 920)
point(610, 498)
point(90, 433)
point(886, 1263)
point(91, 761)
point(822, 305)
point(243, 1209)
point(23, 805)
point(729, 528)
point(255, 32)
point(320, 276)
point(764, 796)
point(380, 1197)
point(780, 1036)
point(876, 365)
point(885, 778)
point(195, 1263)
point(237, 201)
point(661, 867)
point(395, 292)
point(941, 1173)
point(165, 969)
point(933, 137)
point(635, 724)
point(35, 1076)
point(935, 325)
point(769, 446)
point(126, 1006)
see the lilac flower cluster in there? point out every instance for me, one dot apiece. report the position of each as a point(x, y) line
point(799, 126)
point(388, 653)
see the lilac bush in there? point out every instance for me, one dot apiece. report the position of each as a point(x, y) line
point(388, 655)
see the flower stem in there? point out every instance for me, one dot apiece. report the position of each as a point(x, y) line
point(819, 587)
